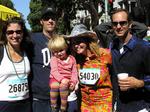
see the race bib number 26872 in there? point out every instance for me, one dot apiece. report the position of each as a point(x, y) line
point(89, 76)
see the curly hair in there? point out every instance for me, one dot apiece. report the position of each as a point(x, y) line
point(26, 43)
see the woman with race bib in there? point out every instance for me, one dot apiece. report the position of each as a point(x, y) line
point(92, 62)
point(15, 51)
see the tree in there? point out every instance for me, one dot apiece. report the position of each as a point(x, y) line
point(67, 11)
point(34, 16)
point(91, 6)
point(7, 3)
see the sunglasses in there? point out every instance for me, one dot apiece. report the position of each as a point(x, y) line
point(46, 18)
point(121, 23)
point(10, 32)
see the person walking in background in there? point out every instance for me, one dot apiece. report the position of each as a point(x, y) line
point(130, 55)
point(94, 78)
point(63, 74)
point(41, 61)
point(14, 66)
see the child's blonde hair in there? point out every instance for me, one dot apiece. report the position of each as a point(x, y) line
point(57, 43)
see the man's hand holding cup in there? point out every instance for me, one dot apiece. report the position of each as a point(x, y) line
point(122, 81)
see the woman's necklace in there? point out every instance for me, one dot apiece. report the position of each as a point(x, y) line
point(21, 78)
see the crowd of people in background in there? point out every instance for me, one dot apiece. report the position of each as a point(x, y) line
point(47, 72)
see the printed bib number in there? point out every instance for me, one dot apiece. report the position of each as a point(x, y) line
point(89, 76)
point(17, 87)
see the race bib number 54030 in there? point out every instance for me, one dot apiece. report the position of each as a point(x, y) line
point(89, 76)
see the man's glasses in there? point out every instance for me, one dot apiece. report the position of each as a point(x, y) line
point(121, 23)
point(10, 32)
point(47, 17)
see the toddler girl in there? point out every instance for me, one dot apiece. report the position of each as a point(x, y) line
point(63, 75)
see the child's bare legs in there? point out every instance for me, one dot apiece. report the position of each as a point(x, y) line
point(54, 93)
point(64, 91)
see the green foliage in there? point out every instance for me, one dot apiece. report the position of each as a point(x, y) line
point(60, 27)
point(34, 16)
point(7, 3)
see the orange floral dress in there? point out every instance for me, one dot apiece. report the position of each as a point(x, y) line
point(95, 83)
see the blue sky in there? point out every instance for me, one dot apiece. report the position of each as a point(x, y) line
point(23, 7)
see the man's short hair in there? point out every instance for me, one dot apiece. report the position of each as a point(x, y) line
point(121, 10)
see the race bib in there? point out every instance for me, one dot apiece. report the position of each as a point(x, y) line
point(17, 87)
point(89, 76)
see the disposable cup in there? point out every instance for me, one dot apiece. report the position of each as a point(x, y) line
point(122, 75)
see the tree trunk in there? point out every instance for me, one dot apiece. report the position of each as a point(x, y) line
point(94, 14)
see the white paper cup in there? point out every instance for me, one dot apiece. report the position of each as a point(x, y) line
point(122, 75)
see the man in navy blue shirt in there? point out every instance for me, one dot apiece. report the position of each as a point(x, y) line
point(130, 55)
point(41, 61)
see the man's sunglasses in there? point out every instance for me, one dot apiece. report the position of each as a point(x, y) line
point(121, 23)
point(47, 17)
point(10, 32)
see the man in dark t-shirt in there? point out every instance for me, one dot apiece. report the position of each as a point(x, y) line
point(41, 61)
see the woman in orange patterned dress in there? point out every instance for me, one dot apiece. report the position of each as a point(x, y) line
point(92, 62)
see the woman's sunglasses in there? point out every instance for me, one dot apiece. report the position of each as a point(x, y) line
point(10, 32)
